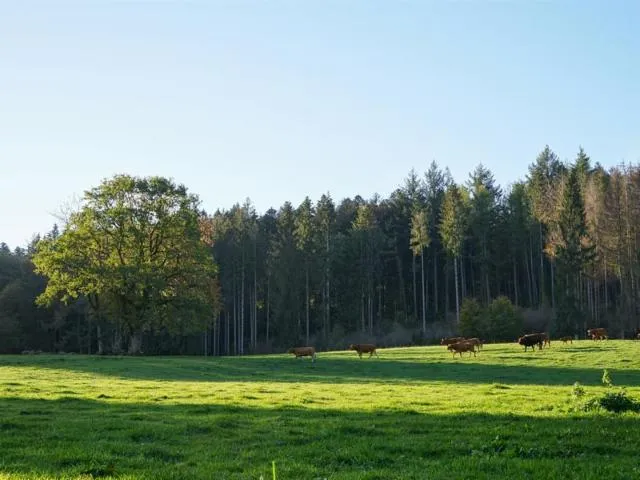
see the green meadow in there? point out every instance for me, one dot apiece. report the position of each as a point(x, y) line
point(413, 413)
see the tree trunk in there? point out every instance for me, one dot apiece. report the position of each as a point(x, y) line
point(241, 320)
point(362, 310)
point(515, 282)
point(447, 296)
point(307, 303)
point(455, 278)
point(117, 341)
point(424, 299)
point(100, 339)
point(135, 343)
point(415, 291)
point(542, 292)
point(435, 282)
point(268, 306)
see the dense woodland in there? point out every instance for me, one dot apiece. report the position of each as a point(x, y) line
point(141, 269)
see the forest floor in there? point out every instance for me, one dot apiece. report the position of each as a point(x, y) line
point(413, 413)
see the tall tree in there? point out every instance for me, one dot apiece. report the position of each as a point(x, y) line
point(136, 243)
point(574, 251)
point(305, 236)
point(452, 230)
point(420, 240)
point(325, 217)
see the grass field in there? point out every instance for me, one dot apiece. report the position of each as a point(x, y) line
point(413, 413)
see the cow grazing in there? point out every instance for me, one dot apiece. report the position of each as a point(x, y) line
point(567, 339)
point(364, 348)
point(597, 333)
point(531, 340)
point(304, 352)
point(451, 340)
point(462, 347)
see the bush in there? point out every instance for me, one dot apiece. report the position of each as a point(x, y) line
point(472, 318)
point(612, 401)
point(503, 320)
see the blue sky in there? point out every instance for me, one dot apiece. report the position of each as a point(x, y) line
point(278, 100)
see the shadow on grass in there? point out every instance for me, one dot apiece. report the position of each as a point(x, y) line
point(70, 437)
point(329, 369)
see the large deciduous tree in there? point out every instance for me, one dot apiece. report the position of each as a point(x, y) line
point(135, 249)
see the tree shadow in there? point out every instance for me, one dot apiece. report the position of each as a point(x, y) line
point(329, 369)
point(69, 437)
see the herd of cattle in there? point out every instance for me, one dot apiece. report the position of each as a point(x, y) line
point(462, 344)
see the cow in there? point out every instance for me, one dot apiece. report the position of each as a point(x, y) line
point(462, 347)
point(546, 339)
point(364, 348)
point(566, 339)
point(304, 352)
point(475, 341)
point(531, 340)
point(451, 340)
point(597, 333)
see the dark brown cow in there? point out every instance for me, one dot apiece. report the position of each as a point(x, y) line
point(304, 352)
point(364, 348)
point(546, 339)
point(451, 340)
point(597, 333)
point(566, 339)
point(531, 340)
point(475, 341)
point(463, 346)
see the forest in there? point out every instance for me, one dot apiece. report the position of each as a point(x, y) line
point(140, 268)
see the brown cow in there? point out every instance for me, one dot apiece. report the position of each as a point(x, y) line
point(451, 340)
point(475, 341)
point(597, 333)
point(462, 347)
point(304, 352)
point(566, 339)
point(364, 348)
point(546, 339)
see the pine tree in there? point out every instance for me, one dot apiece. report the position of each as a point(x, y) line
point(452, 230)
point(574, 252)
point(420, 240)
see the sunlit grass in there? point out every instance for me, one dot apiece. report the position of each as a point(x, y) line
point(412, 413)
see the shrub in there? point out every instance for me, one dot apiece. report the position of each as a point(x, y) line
point(612, 401)
point(472, 318)
point(503, 320)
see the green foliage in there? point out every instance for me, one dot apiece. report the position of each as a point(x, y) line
point(504, 320)
point(472, 319)
point(420, 238)
point(500, 321)
point(136, 246)
point(454, 219)
point(613, 400)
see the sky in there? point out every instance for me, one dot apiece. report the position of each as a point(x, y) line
point(277, 100)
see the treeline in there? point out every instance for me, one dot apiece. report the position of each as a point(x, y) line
point(562, 247)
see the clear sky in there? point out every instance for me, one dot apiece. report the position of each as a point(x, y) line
point(281, 99)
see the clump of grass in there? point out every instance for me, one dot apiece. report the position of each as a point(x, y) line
point(613, 400)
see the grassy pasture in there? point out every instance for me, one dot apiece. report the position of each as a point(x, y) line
point(413, 413)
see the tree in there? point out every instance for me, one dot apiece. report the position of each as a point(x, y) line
point(574, 251)
point(452, 230)
point(420, 240)
point(472, 317)
point(305, 236)
point(135, 245)
point(325, 217)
